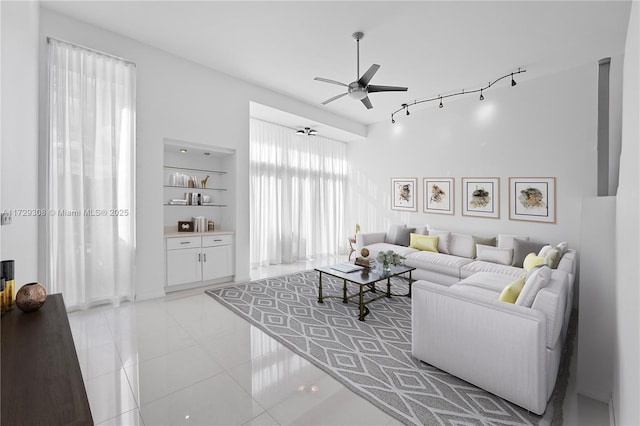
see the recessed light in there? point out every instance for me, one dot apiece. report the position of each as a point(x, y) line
point(182, 150)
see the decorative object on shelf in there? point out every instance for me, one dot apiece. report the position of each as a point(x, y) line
point(199, 223)
point(2, 284)
point(31, 297)
point(532, 199)
point(360, 88)
point(403, 194)
point(357, 229)
point(203, 182)
point(481, 197)
point(7, 271)
point(363, 261)
point(405, 106)
point(388, 258)
point(210, 226)
point(439, 195)
point(364, 252)
point(184, 226)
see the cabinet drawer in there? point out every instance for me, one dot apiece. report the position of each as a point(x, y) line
point(217, 240)
point(183, 242)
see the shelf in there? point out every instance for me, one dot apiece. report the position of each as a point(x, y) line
point(186, 187)
point(192, 205)
point(217, 172)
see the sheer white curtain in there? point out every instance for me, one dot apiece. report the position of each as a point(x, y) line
point(297, 195)
point(90, 176)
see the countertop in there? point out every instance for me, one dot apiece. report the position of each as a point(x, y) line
point(174, 233)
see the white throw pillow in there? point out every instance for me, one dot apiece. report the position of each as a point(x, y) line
point(563, 247)
point(536, 281)
point(462, 245)
point(544, 250)
point(444, 238)
point(494, 254)
point(506, 241)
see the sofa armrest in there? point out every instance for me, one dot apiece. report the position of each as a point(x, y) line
point(363, 240)
point(495, 345)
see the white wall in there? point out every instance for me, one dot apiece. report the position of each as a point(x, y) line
point(541, 127)
point(626, 384)
point(183, 101)
point(19, 134)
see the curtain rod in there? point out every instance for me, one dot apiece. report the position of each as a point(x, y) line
point(90, 49)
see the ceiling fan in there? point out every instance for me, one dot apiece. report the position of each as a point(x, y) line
point(361, 88)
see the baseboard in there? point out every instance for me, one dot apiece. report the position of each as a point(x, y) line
point(148, 296)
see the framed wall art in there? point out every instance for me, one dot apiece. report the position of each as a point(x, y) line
point(404, 194)
point(439, 195)
point(532, 199)
point(481, 197)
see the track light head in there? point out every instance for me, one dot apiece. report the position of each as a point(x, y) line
point(393, 121)
point(481, 95)
point(440, 106)
point(513, 82)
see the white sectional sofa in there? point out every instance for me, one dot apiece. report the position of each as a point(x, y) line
point(460, 326)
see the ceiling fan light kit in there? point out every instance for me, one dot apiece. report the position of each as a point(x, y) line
point(405, 107)
point(307, 131)
point(360, 88)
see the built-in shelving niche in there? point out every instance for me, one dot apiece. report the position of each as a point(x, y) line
point(218, 164)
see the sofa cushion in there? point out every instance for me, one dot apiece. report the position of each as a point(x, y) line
point(444, 238)
point(506, 241)
point(482, 266)
point(424, 242)
point(531, 261)
point(436, 262)
point(462, 245)
point(534, 282)
point(493, 254)
point(399, 235)
point(511, 292)
point(376, 248)
point(487, 280)
point(485, 241)
point(521, 248)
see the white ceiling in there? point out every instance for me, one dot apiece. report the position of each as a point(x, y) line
point(433, 47)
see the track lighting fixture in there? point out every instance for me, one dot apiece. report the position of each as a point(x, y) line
point(462, 92)
point(392, 120)
point(307, 131)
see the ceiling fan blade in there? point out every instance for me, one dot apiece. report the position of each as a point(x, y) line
point(326, 80)
point(366, 102)
point(334, 98)
point(372, 89)
point(367, 76)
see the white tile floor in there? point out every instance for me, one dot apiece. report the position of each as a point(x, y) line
point(186, 360)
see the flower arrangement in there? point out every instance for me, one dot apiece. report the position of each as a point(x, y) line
point(390, 257)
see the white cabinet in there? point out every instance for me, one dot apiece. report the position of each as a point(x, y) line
point(200, 259)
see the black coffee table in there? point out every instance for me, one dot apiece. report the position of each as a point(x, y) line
point(366, 281)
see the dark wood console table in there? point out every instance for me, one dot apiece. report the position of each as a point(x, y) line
point(41, 378)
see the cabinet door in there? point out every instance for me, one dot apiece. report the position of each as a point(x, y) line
point(184, 266)
point(217, 262)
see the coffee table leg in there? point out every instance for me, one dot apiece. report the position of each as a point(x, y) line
point(361, 304)
point(344, 292)
point(320, 289)
point(389, 287)
point(410, 282)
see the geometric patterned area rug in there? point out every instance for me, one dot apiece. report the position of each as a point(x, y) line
point(373, 358)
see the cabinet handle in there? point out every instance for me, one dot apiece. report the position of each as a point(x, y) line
point(217, 241)
point(199, 255)
point(185, 242)
point(205, 257)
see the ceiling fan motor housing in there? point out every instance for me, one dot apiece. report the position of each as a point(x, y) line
point(356, 91)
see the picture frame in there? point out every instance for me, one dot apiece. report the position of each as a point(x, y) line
point(532, 199)
point(404, 194)
point(439, 195)
point(481, 197)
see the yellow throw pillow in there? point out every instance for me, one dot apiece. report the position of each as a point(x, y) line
point(424, 242)
point(512, 291)
point(531, 261)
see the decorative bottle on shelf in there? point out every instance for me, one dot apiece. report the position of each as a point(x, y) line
point(8, 296)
